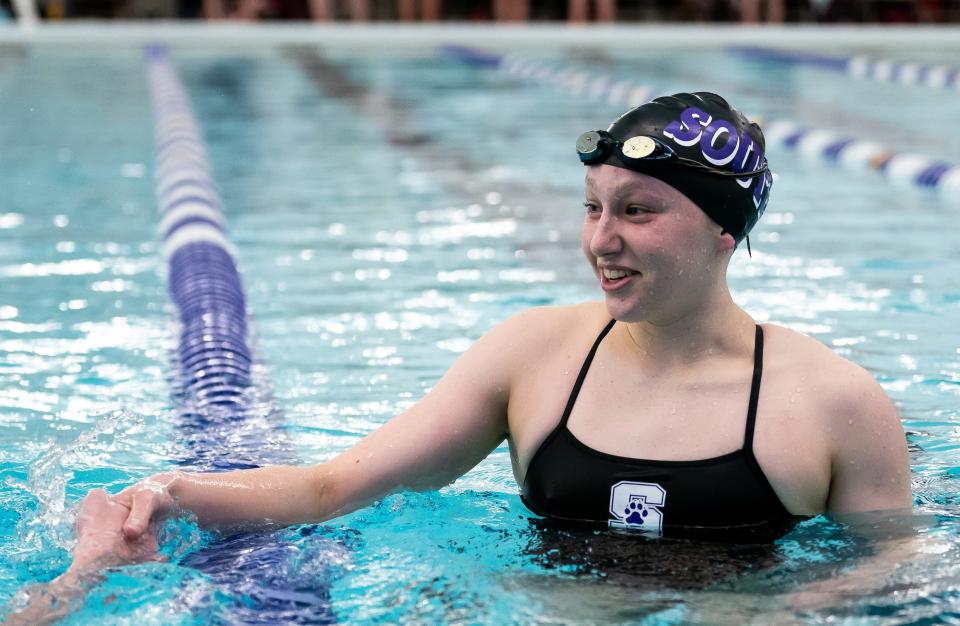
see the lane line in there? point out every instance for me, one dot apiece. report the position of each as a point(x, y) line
point(861, 66)
point(904, 169)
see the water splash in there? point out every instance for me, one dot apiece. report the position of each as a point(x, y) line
point(51, 471)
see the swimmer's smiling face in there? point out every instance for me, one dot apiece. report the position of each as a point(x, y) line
point(653, 250)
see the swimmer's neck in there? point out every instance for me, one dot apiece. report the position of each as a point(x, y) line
point(715, 327)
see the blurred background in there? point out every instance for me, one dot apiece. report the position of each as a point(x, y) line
point(748, 11)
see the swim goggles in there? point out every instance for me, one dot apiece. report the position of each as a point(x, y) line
point(594, 146)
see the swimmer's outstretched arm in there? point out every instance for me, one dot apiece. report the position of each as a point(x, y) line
point(458, 423)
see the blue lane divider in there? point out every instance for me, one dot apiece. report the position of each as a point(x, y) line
point(223, 423)
point(862, 66)
point(213, 379)
point(901, 168)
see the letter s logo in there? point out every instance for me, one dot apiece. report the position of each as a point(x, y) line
point(634, 506)
point(687, 130)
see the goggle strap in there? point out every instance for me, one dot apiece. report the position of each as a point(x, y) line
point(718, 172)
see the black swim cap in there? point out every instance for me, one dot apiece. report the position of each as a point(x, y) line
point(697, 144)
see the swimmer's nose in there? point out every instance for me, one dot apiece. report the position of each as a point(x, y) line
point(606, 240)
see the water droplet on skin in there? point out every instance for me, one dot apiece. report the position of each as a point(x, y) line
point(850, 422)
point(673, 411)
point(799, 390)
point(793, 400)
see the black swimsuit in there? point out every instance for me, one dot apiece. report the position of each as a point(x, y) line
point(569, 481)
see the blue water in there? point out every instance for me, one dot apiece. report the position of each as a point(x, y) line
point(388, 212)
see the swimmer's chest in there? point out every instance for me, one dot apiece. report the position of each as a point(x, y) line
point(693, 415)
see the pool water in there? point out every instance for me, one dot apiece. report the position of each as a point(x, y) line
point(387, 212)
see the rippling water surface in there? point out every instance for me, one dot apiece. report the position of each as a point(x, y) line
point(387, 213)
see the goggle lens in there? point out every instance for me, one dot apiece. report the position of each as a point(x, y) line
point(643, 148)
point(592, 146)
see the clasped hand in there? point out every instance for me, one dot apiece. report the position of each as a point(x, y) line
point(110, 532)
point(119, 530)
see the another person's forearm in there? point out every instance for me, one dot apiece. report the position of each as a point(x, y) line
point(280, 495)
point(53, 601)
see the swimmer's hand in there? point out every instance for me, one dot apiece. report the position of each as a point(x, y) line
point(148, 502)
point(101, 540)
point(101, 543)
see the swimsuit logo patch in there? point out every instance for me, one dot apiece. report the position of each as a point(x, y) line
point(634, 506)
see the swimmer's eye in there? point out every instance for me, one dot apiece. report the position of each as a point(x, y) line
point(634, 210)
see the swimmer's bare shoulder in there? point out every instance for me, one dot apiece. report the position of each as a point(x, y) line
point(535, 338)
point(850, 427)
point(543, 330)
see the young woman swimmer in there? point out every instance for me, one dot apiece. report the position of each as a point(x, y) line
point(663, 409)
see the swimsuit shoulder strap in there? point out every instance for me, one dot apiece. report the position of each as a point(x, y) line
point(583, 373)
point(754, 390)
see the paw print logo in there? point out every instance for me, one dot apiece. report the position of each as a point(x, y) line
point(636, 506)
point(635, 513)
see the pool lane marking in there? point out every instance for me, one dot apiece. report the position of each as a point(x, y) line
point(901, 168)
point(878, 69)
